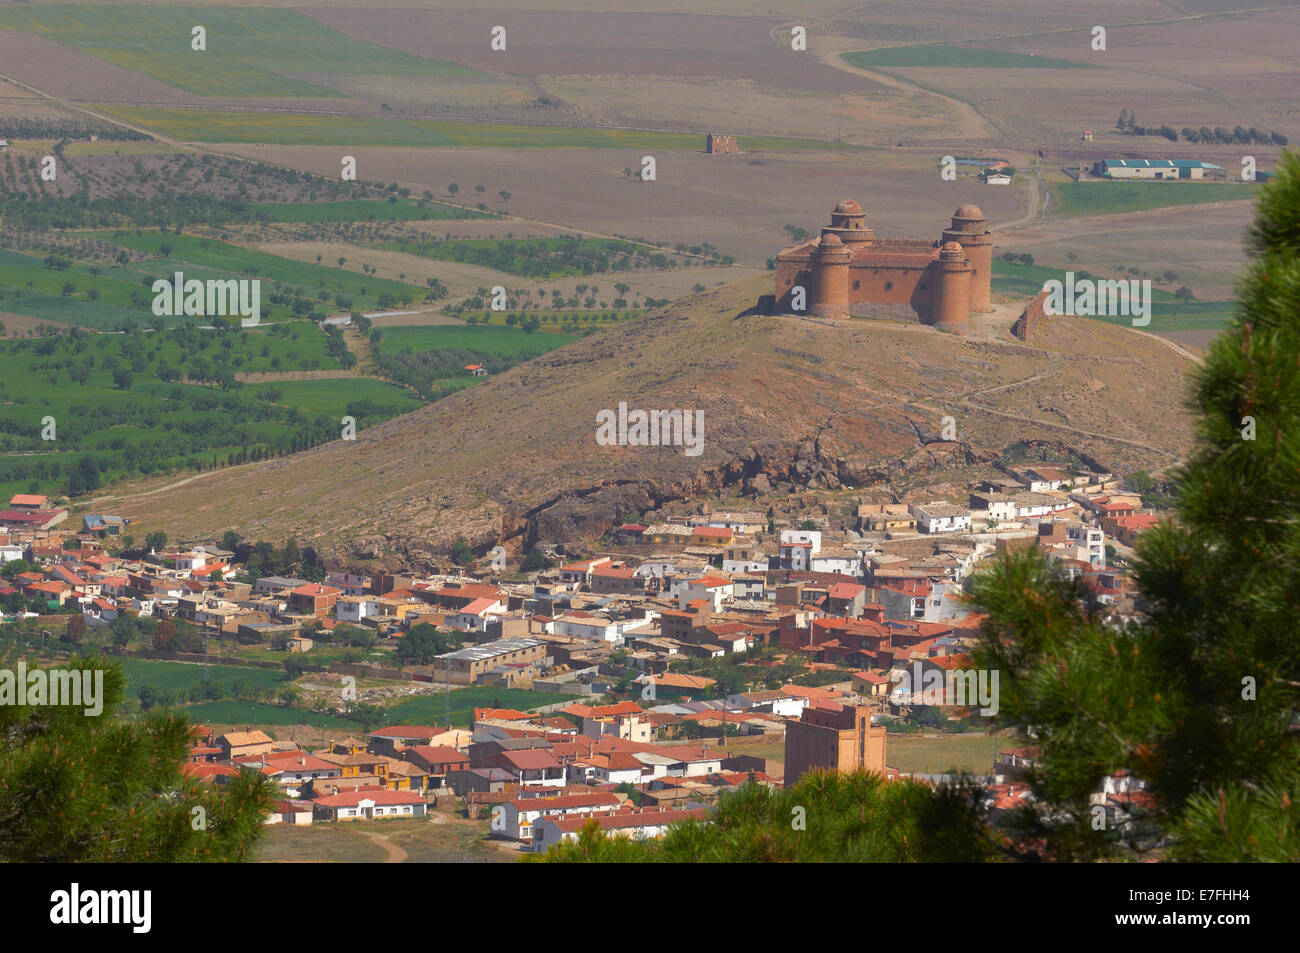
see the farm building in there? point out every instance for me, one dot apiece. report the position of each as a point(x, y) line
point(721, 145)
point(1154, 168)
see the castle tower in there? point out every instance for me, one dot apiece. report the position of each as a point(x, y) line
point(829, 294)
point(968, 230)
point(849, 223)
point(950, 310)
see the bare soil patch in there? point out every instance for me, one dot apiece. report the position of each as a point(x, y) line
point(740, 204)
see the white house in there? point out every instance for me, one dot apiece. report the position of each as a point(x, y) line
point(842, 562)
point(941, 518)
point(812, 537)
point(1038, 504)
point(367, 805)
point(549, 831)
point(474, 617)
point(712, 589)
point(356, 608)
point(584, 625)
point(517, 816)
point(183, 562)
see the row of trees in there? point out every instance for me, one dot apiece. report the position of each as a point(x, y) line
point(1237, 135)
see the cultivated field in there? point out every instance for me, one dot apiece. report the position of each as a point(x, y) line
point(250, 53)
point(740, 204)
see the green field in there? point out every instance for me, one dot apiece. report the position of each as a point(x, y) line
point(119, 293)
point(173, 677)
point(116, 400)
point(432, 709)
point(510, 343)
point(115, 289)
point(359, 210)
point(1107, 197)
point(1167, 312)
point(251, 52)
point(956, 57)
point(226, 260)
point(332, 395)
point(198, 125)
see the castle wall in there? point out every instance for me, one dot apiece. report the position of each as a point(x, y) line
point(1024, 327)
point(895, 284)
point(788, 275)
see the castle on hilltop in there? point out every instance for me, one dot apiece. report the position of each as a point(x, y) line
point(848, 271)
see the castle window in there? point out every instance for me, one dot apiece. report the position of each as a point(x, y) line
point(889, 286)
point(857, 285)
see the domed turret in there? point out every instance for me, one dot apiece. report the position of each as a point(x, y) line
point(951, 251)
point(950, 308)
point(830, 277)
point(850, 222)
point(969, 231)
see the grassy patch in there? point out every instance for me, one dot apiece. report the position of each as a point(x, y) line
point(1104, 198)
point(174, 677)
point(429, 842)
point(251, 52)
point(319, 844)
point(508, 342)
point(970, 752)
point(956, 57)
point(333, 395)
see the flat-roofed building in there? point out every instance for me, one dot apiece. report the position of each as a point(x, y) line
point(467, 665)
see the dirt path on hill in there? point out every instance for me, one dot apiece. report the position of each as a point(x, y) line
point(395, 854)
point(971, 123)
point(359, 345)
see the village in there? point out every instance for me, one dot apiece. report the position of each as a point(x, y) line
point(688, 656)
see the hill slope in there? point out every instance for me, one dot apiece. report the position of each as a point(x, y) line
point(784, 398)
